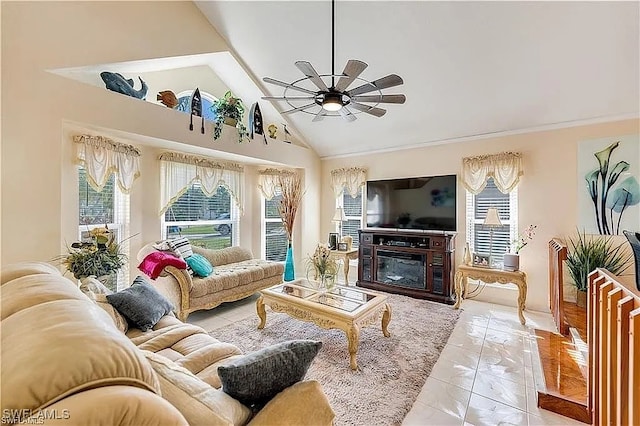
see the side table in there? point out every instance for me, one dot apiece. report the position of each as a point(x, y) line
point(488, 275)
point(345, 256)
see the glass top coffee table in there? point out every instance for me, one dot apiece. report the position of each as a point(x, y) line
point(344, 308)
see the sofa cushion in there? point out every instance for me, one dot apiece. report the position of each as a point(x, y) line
point(200, 265)
point(233, 275)
point(224, 256)
point(141, 304)
point(198, 402)
point(17, 270)
point(257, 377)
point(62, 347)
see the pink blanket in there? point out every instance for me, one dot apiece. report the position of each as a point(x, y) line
point(154, 263)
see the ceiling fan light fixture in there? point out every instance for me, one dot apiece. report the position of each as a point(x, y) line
point(332, 102)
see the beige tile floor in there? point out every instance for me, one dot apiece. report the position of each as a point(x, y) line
point(483, 376)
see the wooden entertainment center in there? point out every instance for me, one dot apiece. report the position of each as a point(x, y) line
point(414, 263)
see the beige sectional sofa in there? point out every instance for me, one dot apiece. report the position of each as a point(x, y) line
point(236, 275)
point(65, 361)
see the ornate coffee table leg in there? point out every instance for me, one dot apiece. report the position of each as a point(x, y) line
point(262, 313)
point(353, 336)
point(458, 287)
point(386, 317)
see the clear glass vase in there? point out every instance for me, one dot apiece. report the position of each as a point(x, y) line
point(326, 282)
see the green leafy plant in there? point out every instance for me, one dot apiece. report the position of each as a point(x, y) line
point(229, 107)
point(101, 256)
point(588, 253)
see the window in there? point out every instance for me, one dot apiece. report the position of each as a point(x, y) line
point(109, 207)
point(209, 222)
point(478, 235)
point(184, 104)
point(274, 245)
point(353, 215)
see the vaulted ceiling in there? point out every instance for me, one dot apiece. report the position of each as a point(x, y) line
point(469, 68)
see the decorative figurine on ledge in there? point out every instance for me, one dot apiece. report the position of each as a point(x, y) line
point(272, 129)
point(117, 83)
point(168, 98)
point(255, 122)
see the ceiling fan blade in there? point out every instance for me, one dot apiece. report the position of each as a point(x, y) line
point(320, 115)
point(378, 112)
point(291, 86)
point(288, 98)
point(308, 70)
point(351, 71)
point(391, 80)
point(389, 99)
point(346, 114)
point(299, 108)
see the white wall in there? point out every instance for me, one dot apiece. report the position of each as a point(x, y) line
point(41, 110)
point(547, 191)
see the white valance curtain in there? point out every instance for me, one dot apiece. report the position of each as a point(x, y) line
point(102, 156)
point(179, 171)
point(270, 180)
point(505, 169)
point(348, 179)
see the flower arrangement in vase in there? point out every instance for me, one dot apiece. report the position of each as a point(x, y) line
point(511, 261)
point(323, 266)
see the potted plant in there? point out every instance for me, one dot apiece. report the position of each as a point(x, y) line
point(229, 110)
point(102, 257)
point(588, 253)
point(511, 261)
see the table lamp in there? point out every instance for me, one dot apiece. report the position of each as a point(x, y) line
point(492, 220)
point(338, 217)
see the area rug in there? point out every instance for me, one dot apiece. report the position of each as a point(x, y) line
point(391, 371)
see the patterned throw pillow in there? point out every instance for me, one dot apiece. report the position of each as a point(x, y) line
point(259, 376)
point(141, 304)
point(181, 247)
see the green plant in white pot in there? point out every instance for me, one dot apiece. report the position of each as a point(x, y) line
point(229, 110)
point(586, 253)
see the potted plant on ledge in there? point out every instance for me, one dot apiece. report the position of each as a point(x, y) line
point(229, 110)
point(588, 253)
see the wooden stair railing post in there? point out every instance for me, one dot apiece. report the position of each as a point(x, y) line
point(624, 309)
point(614, 350)
point(634, 370)
point(613, 297)
point(557, 255)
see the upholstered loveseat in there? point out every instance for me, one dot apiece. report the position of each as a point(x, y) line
point(236, 275)
point(66, 360)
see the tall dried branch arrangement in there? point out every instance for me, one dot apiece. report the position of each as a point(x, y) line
point(291, 186)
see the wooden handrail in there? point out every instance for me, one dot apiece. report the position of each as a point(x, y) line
point(613, 325)
point(557, 255)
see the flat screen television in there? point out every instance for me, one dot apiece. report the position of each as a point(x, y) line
point(426, 203)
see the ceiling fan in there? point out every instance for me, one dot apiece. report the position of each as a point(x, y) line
point(337, 100)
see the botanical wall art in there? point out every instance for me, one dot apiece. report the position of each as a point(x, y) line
point(608, 190)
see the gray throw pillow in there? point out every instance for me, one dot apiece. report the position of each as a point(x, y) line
point(141, 304)
point(257, 377)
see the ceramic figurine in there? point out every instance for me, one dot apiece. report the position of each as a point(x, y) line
point(286, 133)
point(168, 98)
point(117, 83)
point(272, 129)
